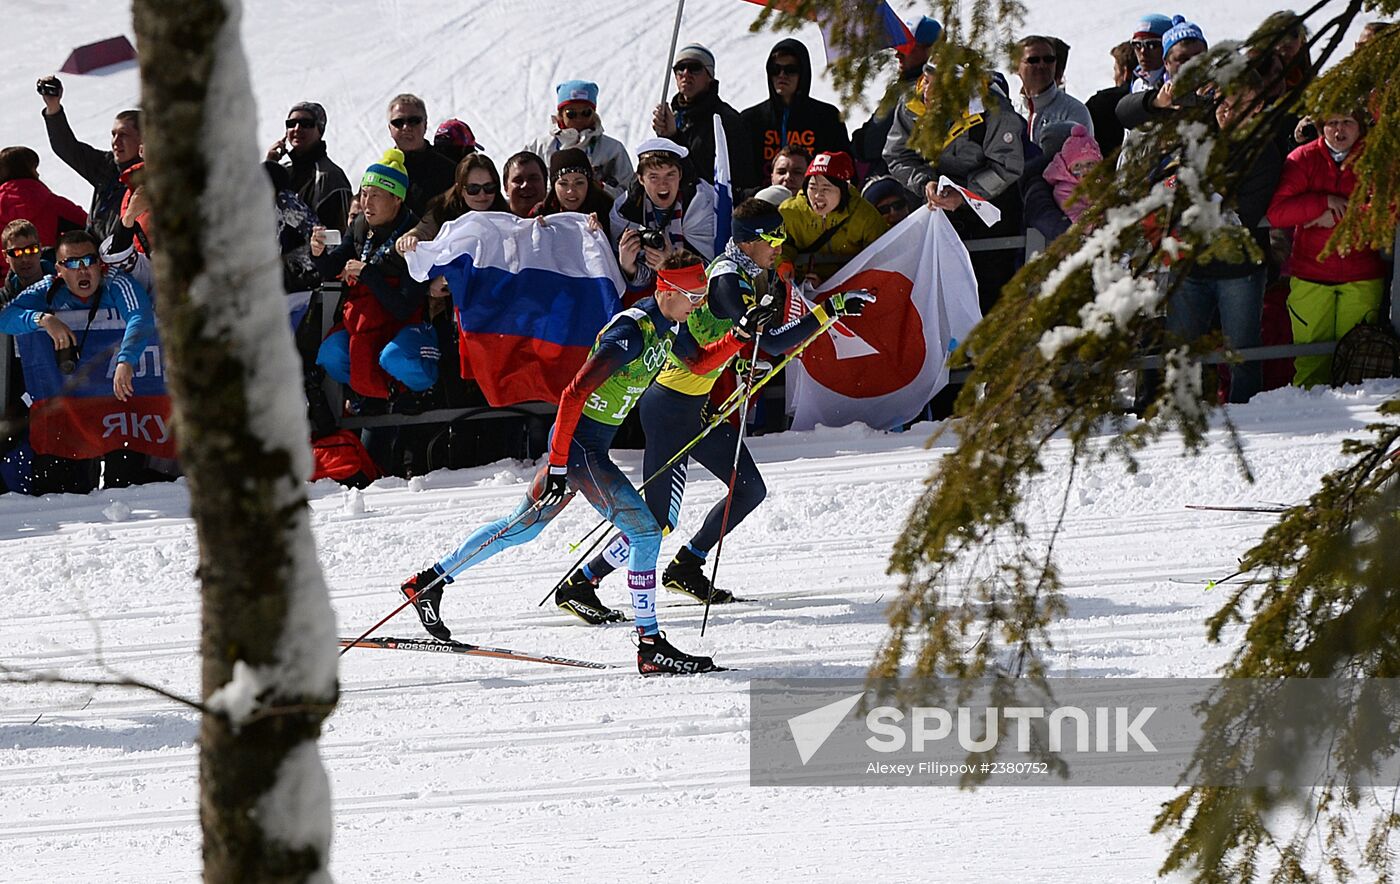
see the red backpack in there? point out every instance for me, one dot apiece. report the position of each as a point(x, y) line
point(342, 457)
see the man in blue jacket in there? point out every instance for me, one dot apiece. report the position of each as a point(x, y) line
point(80, 285)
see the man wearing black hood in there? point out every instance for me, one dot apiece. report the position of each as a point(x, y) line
point(689, 119)
point(791, 115)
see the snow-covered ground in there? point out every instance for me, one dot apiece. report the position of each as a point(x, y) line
point(451, 768)
point(455, 768)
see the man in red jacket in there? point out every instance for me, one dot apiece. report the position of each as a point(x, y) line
point(1327, 296)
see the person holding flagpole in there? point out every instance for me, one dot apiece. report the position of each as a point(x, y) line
point(673, 413)
point(635, 346)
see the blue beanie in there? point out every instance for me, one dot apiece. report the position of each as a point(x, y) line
point(576, 90)
point(1154, 24)
point(750, 229)
point(926, 30)
point(1181, 29)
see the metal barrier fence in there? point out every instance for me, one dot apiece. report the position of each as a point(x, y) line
point(1030, 244)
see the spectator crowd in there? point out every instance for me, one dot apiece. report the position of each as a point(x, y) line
point(392, 344)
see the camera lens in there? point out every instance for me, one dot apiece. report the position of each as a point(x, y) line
point(67, 359)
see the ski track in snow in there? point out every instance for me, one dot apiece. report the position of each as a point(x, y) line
point(448, 767)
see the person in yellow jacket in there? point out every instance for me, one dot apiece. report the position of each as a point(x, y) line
point(829, 222)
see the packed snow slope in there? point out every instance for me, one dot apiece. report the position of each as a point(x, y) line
point(455, 768)
point(493, 64)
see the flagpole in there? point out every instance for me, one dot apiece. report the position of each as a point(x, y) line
point(675, 35)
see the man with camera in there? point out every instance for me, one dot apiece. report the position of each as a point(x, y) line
point(101, 168)
point(80, 285)
point(665, 209)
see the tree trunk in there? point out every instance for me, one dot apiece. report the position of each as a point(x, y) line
point(242, 436)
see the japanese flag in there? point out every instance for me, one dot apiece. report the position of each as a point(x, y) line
point(881, 368)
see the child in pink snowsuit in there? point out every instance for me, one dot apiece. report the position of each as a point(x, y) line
point(1078, 156)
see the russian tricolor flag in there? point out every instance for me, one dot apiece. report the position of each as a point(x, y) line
point(531, 296)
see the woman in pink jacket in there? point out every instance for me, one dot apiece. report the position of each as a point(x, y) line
point(1328, 296)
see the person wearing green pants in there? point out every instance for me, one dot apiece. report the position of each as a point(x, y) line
point(1328, 296)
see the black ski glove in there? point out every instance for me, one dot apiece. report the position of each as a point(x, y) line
point(760, 315)
point(556, 485)
point(849, 303)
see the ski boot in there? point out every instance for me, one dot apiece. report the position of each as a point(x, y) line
point(427, 602)
point(579, 596)
point(656, 656)
point(686, 574)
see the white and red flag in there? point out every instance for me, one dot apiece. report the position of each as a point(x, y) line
point(882, 367)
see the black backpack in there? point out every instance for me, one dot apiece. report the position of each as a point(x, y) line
point(1367, 351)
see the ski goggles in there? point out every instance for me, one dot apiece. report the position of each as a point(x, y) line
point(79, 262)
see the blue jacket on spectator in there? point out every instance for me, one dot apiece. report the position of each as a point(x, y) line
point(118, 292)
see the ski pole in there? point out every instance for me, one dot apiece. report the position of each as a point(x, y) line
point(536, 508)
point(733, 476)
point(581, 559)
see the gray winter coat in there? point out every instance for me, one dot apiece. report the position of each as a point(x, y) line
point(987, 159)
point(1054, 106)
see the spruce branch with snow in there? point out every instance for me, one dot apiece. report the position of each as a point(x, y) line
point(981, 592)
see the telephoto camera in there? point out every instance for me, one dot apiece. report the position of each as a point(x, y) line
point(67, 359)
point(653, 238)
point(50, 86)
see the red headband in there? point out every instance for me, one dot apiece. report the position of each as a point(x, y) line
point(687, 279)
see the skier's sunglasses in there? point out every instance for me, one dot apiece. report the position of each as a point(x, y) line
point(774, 239)
point(23, 251)
point(695, 297)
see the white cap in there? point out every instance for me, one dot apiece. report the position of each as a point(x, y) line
point(774, 194)
point(651, 145)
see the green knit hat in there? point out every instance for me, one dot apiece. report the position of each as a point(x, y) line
point(388, 174)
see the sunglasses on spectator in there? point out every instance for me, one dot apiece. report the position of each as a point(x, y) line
point(1040, 59)
point(1147, 44)
point(301, 123)
point(774, 239)
point(478, 189)
point(23, 251)
point(891, 206)
point(402, 122)
point(79, 262)
point(791, 70)
point(580, 113)
point(687, 67)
